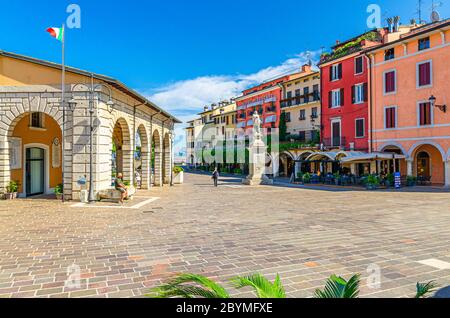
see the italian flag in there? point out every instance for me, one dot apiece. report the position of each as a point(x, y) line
point(57, 33)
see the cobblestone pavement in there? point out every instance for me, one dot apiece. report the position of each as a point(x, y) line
point(304, 235)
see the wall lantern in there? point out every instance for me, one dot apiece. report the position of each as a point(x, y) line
point(432, 100)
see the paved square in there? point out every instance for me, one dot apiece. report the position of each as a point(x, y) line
point(304, 235)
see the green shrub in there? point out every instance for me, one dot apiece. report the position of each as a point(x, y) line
point(12, 187)
point(59, 189)
point(307, 178)
point(178, 170)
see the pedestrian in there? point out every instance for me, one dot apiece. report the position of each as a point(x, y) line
point(120, 186)
point(215, 177)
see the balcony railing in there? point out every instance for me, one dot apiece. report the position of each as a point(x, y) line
point(334, 142)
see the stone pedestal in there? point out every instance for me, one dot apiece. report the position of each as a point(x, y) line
point(257, 157)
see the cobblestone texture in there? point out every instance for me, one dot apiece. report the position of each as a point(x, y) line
point(304, 235)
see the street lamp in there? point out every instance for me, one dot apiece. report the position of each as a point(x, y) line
point(172, 137)
point(72, 105)
point(432, 100)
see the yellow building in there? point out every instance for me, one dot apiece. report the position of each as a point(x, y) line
point(32, 119)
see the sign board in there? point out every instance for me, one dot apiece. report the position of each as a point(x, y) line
point(397, 180)
point(15, 153)
point(56, 153)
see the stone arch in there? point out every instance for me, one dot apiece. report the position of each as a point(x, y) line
point(432, 167)
point(286, 164)
point(121, 138)
point(383, 147)
point(418, 144)
point(156, 157)
point(145, 157)
point(9, 121)
point(167, 159)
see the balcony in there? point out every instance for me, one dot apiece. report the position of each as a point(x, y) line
point(334, 142)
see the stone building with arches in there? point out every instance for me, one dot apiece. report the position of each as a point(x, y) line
point(32, 120)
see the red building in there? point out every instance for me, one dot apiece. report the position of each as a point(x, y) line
point(264, 98)
point(345, 96)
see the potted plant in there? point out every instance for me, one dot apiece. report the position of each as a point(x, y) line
point(390, 180)
point(300, 176)
point(178, 175)
point(11, 190)
point(411, 181)
point(307, 178)
point(59, 190)
point(337, 178)
point(373, 181)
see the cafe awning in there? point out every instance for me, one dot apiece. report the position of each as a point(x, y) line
point(375, 156)
point(332, 155)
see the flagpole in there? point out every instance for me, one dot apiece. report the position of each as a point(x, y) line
point(63, 88)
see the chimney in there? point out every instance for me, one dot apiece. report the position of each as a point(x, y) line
point(390, 25)
point(306, 68)
point(338, 42)
point(205, 108)
point(396, 23)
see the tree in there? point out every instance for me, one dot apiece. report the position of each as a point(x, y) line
point(283, 127)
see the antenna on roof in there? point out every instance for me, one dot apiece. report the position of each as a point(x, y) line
point(419, 11)
point(435, 17)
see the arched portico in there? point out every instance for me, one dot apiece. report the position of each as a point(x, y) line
point(145, 157)
point(123, 158)
point(428, 162)
point(166, 160)
point(156, 157)
point(33, 153)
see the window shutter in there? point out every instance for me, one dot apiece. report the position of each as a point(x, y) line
point(340, 71)
point(353, 94)
point(366, 92)
point(331, 73)
point(342, 97)
point(330, 99)
point(421, 114)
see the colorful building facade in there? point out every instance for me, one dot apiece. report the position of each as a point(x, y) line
point(406, 73)
point(345, 97)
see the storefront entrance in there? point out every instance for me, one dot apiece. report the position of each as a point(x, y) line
point(423, 165)
point(35, 171)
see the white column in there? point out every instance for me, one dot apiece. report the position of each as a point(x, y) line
point(409, 167)
point(447, 173)
point(353, 168)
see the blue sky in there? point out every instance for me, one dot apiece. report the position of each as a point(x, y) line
point(186, 54)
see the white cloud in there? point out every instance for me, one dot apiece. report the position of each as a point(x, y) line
point(184, 99)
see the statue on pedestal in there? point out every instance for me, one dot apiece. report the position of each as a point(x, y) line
point(257, 156)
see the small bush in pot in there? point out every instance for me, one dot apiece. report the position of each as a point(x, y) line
point(11, 190)
point(59, 190)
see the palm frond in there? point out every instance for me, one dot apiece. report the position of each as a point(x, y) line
point(338, 287)
point(262, 286)
point(422, 289)
point(181, 286)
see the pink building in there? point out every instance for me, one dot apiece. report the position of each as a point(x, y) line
point(409, 86)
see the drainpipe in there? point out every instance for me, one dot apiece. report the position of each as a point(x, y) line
point(370, 99)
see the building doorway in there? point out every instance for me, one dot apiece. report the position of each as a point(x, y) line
point(423, 164)
point(35, 171)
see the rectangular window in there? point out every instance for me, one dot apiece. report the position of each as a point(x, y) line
point(359, 127)
point(316, 92)
point(289, 96)
point(424, 43)
point(335, 72)
point(314, 112)
point(302, 114)
point(302, 136)
point(287, 117)
point(358, 94)
point(390, 82)
point(306, 94)
point(424, 74)
point(389, 54)
point(336, 98)
point(297, 92)
point(424, 114)
point(36, 120)
point(390, 117)
point(359, 64)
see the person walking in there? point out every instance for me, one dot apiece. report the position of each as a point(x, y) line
point(215, 177)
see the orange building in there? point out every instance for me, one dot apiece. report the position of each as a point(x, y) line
point(405, 118)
